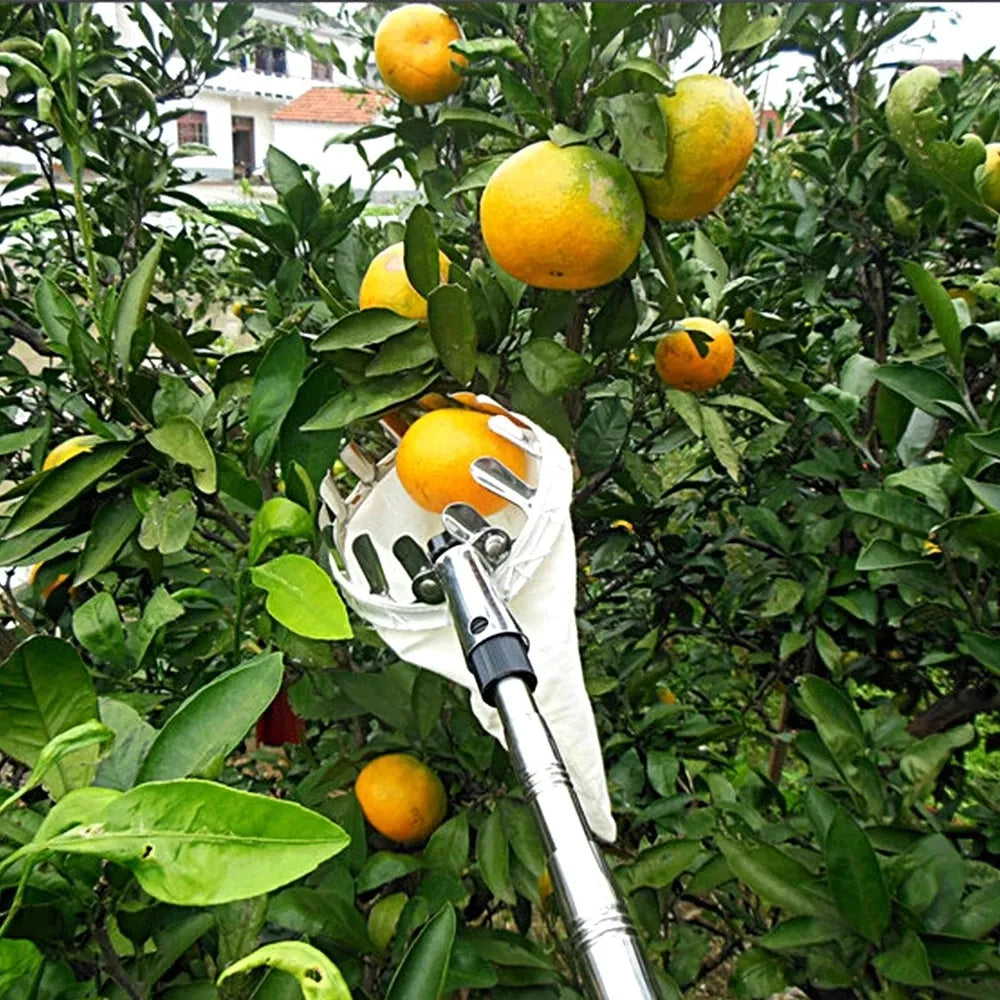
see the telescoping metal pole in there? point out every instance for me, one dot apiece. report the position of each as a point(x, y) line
point(602, 939)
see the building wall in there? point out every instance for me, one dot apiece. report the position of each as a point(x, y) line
point(304, 141)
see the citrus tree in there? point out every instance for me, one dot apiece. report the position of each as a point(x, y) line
point(770, 346)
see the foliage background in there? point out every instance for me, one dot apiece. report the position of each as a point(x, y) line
point(803, 558)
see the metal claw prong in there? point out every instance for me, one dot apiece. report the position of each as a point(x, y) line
point(358, 462)
point(413, 559)
point(364, 551)
point(523, 437)
point(493, 475)
point(467, 525)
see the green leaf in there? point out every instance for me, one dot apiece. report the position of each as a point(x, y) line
point(212, 721)
point(801, 932)
point(922, 763)
point(727, 399)
point(522, 833)
point(448, 847)
point(856, 878)
point(181, 439)
point(547, 411)
point(552, 368)
point(317, 976)
point(485, 48)
point(988, 442)
point(688, 409)
point(453, 330)
point(19, 440)
point(658, 866)
point(302, 598)
point(367, 399)
point(197, 843)
point(615, 324)
point(988, 494)
point(45, 689)
point(132, 302)
point(278, 518)
point(110, 529)
point(160, 610)
point(57, 312)
point(939, 305)
point(602, 435)
point(739, 31)
point(719, 440)
point(763, 523)
point(982, 647)
point(633, 76)
point(955, 954)
point(835, 717)
point(778, 878)
point(784, 595)
point(916, 126)
point(897, 509)
point(882, 554)
point(421, 974)
point(383, 917)
point(167, 524)
point(18, 959)
point(87, 735)
point(284, 173)
point(98, 628)
point(412, 349)
point(478, 121)
point(924, 387)
point(420, 251)
point(362, 329)
point(757, 974)
point(321, 912)
point(979, 913)
point(385, 866)
point(57, 487)
point(641, 129)
point(905, 962)
point(275, 384)
point(133, 738)
point(493, 855)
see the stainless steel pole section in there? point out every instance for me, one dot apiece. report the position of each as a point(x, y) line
point(602, 939)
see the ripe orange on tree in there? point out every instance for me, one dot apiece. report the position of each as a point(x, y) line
point(679, 364)
point(50, 588)
point(401, 797)
point(566, 217)
point(386, 286)
point(413, 56)
point(435, 454)
point(711, 131)
point(989, 178)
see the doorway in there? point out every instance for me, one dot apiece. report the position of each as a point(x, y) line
point(243, 151)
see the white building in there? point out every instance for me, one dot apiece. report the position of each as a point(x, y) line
point(276, 96)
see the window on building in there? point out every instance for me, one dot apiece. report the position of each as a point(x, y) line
point(193, 127)
point(270, 60)
point(321, 70)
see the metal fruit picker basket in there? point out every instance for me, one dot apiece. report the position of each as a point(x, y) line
point(467, 598)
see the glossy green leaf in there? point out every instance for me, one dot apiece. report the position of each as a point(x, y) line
point(213, 720)
point(801, 932)
point(896, 508)
point(110, 529)
point(757, 974)
point(602, 435)
point(278, 518)
point(385, 866)
point(133, 738)
point(383, 918)
point(329, 913)
point(160, 610)
point(132, 302)
point(86, 736)
point(634, 76)
point(926, 388)
point(302, 598)
point(196, 843)
point(905, 962)
point(522, 834)
point(45, 689)
point(18, 958)
point(420, 251)
point(317, 976)
point(448, 847)
point(493, 855)
point(275, 384)
point(181, 439)
point(98, 628)
point(363, 329)
point(922, 763)
point(453, 330)
point(659, 866)
point(283, 172)
point(739, 30)
point(57, 487)
point(421, 974)
point(367, 399)
point(856, 878)
point(641, 128)
point(412, 349)
point(720, 440)
point(882, 554)
point(552, 368)
point(778, 878)
point(56, 310)
point(835, 717)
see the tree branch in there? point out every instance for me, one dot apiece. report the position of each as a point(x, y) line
point(954, 709)
point(27, 334)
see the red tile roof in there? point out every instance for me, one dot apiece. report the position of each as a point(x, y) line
point(331, 104)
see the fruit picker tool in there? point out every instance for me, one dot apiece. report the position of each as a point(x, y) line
point(443, 590)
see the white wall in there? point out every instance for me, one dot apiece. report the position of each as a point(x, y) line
point(304, 142)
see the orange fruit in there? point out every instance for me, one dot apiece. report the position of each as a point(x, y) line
point(401, 797)
point(386, 286)
point(680, 365)
point(711, 130)
point(412, 53)
point(68, 449)
point(666, 696)
point(566, 217)
point(989, 178)
point(545, 888)
point(435, 454)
